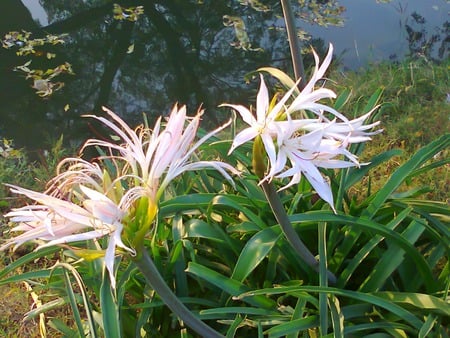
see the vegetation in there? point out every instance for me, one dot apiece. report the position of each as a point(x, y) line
point(223, 252)
point(413, 112)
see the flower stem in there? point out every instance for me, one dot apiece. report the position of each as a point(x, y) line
point(154, 278)
point(292, 237)
point(297, 61)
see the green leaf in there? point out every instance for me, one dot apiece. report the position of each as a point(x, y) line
point(27, 276)
point(374, 99)
point(404, 314)
point(254, 251)
point(60, 326)
point(281, 76)
point(368, 247)
point(427, 326)
point(356, 174)
point(294, 326)
point(72, 298)
point(397, 330)
point(48, 306)
point(231, 332)
point(230, 286)
point(390, 260)
point(185, 203)
point(342, 99)
point(109, 308)
point(418, 300)
point(380, 229)
point(177, 254)
point(196, 228)
point(219, 313)
point(337, 317)
point(32, 256)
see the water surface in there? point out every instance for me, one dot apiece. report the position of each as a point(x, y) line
point(179, 52)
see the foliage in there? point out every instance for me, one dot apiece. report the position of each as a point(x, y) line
point(131, 14)
point(25, 45)
point(42, 80)
point(221, 250)
point(16, 167)
point(413, 113)
point(224, 255)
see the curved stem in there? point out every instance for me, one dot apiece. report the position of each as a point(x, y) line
point(154, 278)
point(297, 61)
point(288, 230)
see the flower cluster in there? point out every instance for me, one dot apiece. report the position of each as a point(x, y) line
point(117, 196)
point(307, 144)
point(90, 200)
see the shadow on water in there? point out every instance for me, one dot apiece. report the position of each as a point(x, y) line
point(175, 52)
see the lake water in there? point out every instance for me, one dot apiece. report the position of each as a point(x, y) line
point(179, 53)
point(377, 31)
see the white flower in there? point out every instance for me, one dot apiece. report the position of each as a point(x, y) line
point(308, 97)
point(353, 131)
point(300, 146)
point(58, 221)
point(307, 153)
point(157, 156)
point(87, 201)
point(264, 125)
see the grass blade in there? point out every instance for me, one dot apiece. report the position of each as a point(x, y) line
point(293, 327)
point(399, 176)
point(337, 317)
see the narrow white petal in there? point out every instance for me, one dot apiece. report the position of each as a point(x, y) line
point(262, 101)
point(242, 137)
point(246, 115)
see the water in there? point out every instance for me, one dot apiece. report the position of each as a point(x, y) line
point(375, 32)
point(178, 53)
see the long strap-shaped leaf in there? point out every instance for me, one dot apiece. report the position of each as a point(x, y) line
point(110, 309)
point(378, 229)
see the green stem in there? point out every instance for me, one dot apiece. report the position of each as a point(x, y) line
point(154, 278)
point(288, 230)
point(294, 45)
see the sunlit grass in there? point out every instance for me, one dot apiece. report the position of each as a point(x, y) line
point(414, 111)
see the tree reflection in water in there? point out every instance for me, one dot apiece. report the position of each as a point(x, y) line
point(176, 51)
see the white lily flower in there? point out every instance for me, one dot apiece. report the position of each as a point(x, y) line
point(308, 97)
point(302, 153)
point(87, 201)
point(157, 157)
point(308, 152)
point(58, 221)
point(297, 147)
point(264, 125)
point(353, 131)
